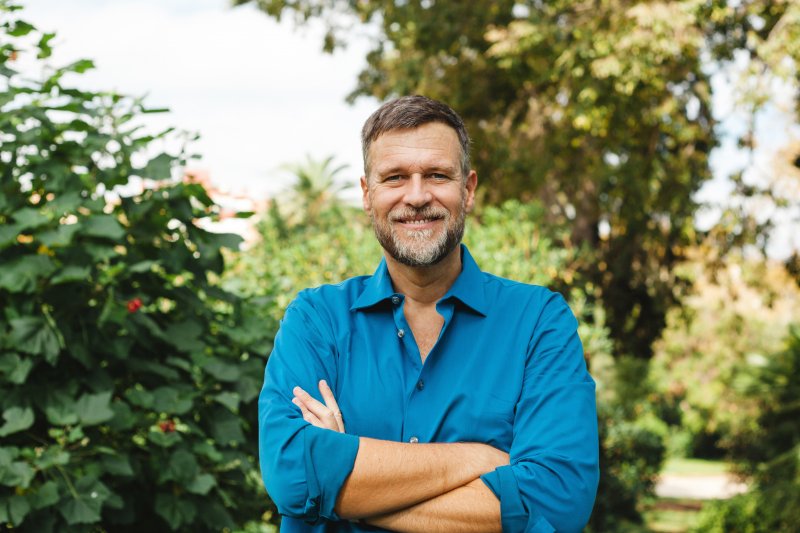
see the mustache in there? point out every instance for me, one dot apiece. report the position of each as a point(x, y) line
point(422, 212)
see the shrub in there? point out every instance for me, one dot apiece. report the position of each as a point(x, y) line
point(770, 452)
point(128, 377)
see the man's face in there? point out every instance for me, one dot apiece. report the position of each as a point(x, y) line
point(415, 193)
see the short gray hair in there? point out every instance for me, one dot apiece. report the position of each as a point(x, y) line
point(412, 112)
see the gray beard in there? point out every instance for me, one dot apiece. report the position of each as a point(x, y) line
point(420, 248)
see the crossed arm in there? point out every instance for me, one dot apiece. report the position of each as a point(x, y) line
point(412, 487)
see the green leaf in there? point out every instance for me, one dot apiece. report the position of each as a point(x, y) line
point(35, 336)
point(118, 465)
point(8, 235)
point(16, 419)
point(229, 399)
point(85, 508)
point(123, 418)
point(142, 266)
point(18, 509)
point(15, 368)
point(65, 203)
point(7, 455)
point(201, 484)
point(94, 408)
point(158, 168)
point(165, 440)
point(175, 511)
point(61, 236)
point(52, 456)
point(21, 274)
point(16, 474)
point(171, 400)
point(140, 398)
point(71, 273)
point(182, 467)
point(59, 408)
point(46, 496)
point(221, 370)
point(80, 66)
point(20, 28)
point(29, 218)
point(185, 335)
point(45, 50)
point(105, 226)
point(215, 516)
point(78, 511)
point(226, 427)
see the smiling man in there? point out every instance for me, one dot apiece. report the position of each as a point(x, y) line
point(429, 396)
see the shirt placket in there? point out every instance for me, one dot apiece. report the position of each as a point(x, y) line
point(414, 420)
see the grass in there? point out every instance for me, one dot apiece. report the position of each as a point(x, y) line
point(683, 466)
point(670, 515)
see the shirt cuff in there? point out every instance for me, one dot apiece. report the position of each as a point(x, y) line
point(329, 459)
point(514, 515)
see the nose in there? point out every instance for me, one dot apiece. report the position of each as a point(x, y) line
point(417, 193)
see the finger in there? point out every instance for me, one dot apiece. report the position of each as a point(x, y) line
point(317, 408)
point(308, 416)
point(330, 402)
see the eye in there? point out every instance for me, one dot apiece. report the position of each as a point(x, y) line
point(393, 178)
point(439, 176)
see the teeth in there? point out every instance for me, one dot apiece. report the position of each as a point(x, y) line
point(423, 221)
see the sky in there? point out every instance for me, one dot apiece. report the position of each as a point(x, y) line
point(261, 94)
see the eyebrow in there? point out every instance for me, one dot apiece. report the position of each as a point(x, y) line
point(444, 169)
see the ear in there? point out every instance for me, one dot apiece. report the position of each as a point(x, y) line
point(471, 184)
point(365, 195)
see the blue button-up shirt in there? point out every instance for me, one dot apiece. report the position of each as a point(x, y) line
point(507, 370)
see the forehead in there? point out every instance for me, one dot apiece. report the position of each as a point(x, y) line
point(430, 145)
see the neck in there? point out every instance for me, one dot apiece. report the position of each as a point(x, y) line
point(427, 284)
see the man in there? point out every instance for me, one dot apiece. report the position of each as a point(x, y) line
point(429, 396)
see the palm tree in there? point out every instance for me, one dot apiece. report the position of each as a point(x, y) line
point(316, 192)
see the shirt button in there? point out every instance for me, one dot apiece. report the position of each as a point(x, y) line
point(395, 300)
point(420, 385)
point(400, 333)
point(413, 440)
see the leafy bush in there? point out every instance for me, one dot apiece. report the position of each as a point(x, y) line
point(128, 377)
point(770, 452)
point(736, 314)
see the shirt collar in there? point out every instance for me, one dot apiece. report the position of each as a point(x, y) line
point(467, 289)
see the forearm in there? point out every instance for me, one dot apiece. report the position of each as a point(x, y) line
point(467, 509)
point(390, 476)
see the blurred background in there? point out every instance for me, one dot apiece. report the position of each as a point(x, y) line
point(174, 172)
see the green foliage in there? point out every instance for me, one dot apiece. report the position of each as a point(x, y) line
point(770, 452)
point(631, 456)
point(735, 315)
point(128, 377)
point(601, 110)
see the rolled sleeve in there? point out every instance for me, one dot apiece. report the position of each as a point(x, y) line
point(303, 467)
point(551, 482)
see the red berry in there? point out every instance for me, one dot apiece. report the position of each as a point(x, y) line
point(167, 426)
point(134, 305)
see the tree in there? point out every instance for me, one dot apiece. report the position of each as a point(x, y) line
point(602, 110)
point(128, 377)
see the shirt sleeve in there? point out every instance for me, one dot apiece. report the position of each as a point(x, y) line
point(304, 467)
point(551, 482)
